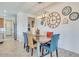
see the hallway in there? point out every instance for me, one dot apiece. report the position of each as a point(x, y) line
point(11, 48)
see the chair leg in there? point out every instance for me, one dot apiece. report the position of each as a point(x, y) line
point(24, 46)
point(42, 51)
point(51, 54)
point(27, 48)
point(40, 48)
point(32, 52)
point(57, 52)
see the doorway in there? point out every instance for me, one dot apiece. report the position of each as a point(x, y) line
point(9, 27)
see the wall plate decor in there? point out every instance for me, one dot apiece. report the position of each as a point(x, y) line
point(74, 16)
point(46, 21)
point(42, 20)
point(66, 10)
point(54, 20)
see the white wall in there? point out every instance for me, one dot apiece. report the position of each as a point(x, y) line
point(69, 33)
point(20, 21)
point(22, 25)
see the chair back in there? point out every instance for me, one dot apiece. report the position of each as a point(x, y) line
point(54, 41)
point(25, 38)
point(49, 34)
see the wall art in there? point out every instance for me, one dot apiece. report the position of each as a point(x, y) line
point(66, 10)
point(54, 20)
point(74, 16)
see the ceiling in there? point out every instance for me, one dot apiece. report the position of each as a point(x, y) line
point(27, 7)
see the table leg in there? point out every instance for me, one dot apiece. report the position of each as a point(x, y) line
point(38, 48)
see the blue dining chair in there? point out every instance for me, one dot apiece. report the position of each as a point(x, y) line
point(26, 41)
point(52, 46)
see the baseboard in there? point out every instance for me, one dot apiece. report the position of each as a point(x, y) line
point(69, 50)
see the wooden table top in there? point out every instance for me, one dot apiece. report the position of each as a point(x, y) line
point(42, 38)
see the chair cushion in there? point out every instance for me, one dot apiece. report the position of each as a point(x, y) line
point(49, 34)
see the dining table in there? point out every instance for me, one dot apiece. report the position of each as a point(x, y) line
point(41, 39)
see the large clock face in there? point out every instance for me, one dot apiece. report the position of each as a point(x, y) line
point(66, 10)
point(53, 20)
point(74, 16)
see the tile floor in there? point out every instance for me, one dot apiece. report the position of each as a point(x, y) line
point(14, 48)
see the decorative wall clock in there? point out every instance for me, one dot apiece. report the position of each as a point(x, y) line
point(66, 10)
point(74, 16)
point(54, 20)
